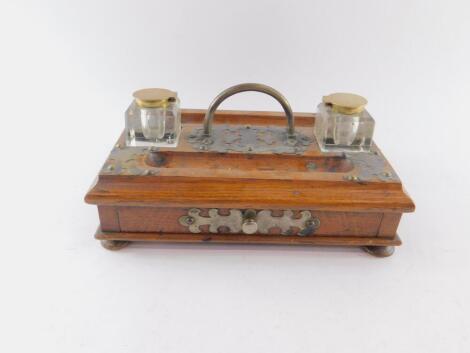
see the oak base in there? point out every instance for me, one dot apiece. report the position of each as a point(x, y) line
point(380, 247)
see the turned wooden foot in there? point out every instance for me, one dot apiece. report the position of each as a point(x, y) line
point(379, 251)
point(114, 244)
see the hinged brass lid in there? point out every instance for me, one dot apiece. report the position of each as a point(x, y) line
point(345, 103)
point(154, 97)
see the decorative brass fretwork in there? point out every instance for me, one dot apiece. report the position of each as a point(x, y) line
point(234, 222)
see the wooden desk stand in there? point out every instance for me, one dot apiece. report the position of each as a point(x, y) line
point(190, 194)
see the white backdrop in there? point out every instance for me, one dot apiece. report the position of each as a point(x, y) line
point(67, 71)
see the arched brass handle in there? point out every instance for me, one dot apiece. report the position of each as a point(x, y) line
point(244, 87)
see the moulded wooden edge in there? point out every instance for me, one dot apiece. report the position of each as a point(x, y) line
point(318, 198)
point(249, 239)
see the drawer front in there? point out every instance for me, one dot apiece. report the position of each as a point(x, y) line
point(237, 221)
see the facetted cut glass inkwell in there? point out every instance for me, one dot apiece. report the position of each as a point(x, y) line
point(343, 124)
point(153, 118)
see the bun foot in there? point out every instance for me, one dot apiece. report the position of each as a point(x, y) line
point(379, 251)
point(114, 244)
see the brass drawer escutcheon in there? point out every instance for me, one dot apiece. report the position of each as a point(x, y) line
point(251, 222)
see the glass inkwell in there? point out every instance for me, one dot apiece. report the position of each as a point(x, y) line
point(343, 124)
point(153, 118)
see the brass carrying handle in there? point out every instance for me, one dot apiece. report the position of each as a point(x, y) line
point(244, 87)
